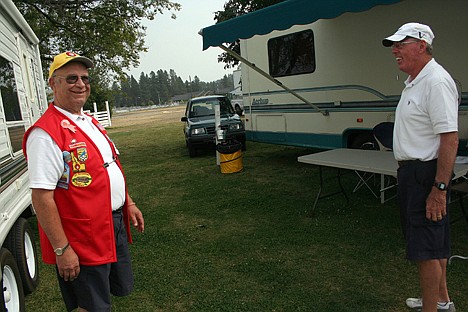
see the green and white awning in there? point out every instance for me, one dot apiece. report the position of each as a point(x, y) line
point(282, 16)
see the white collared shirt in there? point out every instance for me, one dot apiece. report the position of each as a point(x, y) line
point(428, 107)
point(45, 159)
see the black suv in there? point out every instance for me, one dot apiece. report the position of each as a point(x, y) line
point(199, 121)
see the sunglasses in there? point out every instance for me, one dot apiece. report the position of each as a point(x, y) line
point(72, 79)
point(399, 45)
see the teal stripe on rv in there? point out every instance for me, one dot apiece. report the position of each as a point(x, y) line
point(323, 141)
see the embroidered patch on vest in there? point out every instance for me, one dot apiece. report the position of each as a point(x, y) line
point(77, 165)
point(82, 154)
point(100, 127)
point(74, 144)
point(81, 179)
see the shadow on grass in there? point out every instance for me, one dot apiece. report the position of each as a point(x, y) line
point(244, 241)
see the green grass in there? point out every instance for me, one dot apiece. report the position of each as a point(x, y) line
point(244, 241)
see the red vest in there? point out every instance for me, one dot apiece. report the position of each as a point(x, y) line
point(82, 194)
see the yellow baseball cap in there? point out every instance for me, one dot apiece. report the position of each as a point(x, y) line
point(65, 57)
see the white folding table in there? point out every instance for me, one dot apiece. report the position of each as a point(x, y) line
point(373, 161)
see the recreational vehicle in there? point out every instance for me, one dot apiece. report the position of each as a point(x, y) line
point(236, 95)
point(23, 100)
point(315, 73)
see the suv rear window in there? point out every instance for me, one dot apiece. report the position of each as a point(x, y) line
point(206, 107)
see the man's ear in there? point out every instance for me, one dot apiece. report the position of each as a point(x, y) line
point(422, 46)
point(52, 82)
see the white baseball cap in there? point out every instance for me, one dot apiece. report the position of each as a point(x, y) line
point(413, 30)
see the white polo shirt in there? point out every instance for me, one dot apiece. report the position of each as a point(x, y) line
point(428, 107)
point(45, 159)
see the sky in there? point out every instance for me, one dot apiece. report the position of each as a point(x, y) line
point(175, 43)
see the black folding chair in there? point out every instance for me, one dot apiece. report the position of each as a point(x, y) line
point(461, 189)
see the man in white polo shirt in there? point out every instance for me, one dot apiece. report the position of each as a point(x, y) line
point(425, 146)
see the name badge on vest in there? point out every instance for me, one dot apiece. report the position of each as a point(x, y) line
point(65, 178)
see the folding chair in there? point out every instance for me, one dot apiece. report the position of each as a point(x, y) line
point(461, 189)
point(383, 134)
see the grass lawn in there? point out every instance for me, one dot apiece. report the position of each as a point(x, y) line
point(244, 241)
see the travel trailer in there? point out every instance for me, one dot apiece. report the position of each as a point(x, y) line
point(315, 73)
point(23, 100)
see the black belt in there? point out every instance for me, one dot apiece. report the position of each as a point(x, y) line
point(402, 163)
point(117, 211)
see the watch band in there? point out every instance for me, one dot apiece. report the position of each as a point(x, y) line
point(59, 251)
point(441, 186)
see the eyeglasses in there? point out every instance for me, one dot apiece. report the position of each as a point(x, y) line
point(399, 45)
point(72, 79)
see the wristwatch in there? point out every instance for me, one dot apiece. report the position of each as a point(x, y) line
point(59, 251)
point(441, 186)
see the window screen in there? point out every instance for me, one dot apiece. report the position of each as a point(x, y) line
point(292, 54)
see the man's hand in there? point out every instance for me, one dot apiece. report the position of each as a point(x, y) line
point(136, 217)
point(68, 265)
point(436, 207)
point(436, 202)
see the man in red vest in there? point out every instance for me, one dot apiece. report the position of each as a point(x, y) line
point(79, 194)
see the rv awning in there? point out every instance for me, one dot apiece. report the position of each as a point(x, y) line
point(282, 16)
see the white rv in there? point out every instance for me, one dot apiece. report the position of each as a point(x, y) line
point(23, 100)
point(315, 73)
point(236, 95)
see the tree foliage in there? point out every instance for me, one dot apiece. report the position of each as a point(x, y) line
point(235, 8)
point(107, 31)
point(161, 87)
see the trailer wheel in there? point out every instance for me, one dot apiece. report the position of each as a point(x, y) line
point(364, 141)
point(12, 298)
point(20, 242)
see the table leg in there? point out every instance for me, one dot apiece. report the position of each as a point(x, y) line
point(319, 193)
point(341, 186)
point(312, 209)
point(363, 181)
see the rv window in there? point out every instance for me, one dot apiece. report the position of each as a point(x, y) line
point(8, 91)
point(16, 134)
point(11, 106)
point(292, 54)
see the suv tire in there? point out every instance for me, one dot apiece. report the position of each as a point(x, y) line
point(192, 150)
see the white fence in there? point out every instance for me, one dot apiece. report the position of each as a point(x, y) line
point(103, 117)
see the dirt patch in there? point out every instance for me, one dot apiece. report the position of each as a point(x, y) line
point(158, 115)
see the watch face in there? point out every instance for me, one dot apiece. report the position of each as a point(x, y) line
point(441, 186)
point(59, 251)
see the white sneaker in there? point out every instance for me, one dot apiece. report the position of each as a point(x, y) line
point(416, 303)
